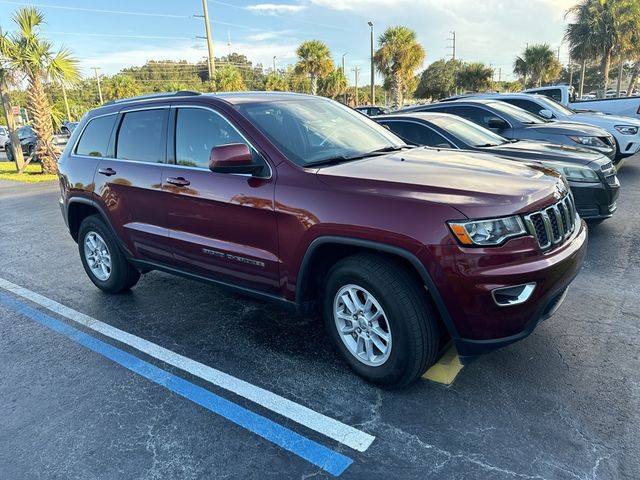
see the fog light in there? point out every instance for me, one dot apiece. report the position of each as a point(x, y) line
point(515, 295)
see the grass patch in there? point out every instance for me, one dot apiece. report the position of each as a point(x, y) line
point(32, 175)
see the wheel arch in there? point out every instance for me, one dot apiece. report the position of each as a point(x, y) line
point(325, 251)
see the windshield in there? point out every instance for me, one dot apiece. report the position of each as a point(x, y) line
point(554, 106)
point(517, 113)
point(24, 132)
point(313, 130)
point(469, 132)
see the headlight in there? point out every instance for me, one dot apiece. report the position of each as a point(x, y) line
point(627, 129)
point(487, 232)
point(588, 141)
point(574, 173)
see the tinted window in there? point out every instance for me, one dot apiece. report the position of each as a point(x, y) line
point(140, 136)
point(197, 132)
point(3, 131)
point(527, 105)
point(475, 114)
point(470, 133)
point(95, 137)
point(417, 134)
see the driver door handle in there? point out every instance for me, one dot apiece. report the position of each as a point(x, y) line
point(178, 181)
point(107, 171)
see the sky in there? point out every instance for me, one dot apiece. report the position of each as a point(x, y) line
point(116, 34)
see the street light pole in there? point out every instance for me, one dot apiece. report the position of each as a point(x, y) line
point(373, 85)
point(274, 64)
point(344, 72)
point(357, 70)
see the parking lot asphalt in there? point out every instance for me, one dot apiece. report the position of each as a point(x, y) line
point(562, 404)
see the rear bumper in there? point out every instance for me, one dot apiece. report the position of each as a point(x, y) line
point(470, 275)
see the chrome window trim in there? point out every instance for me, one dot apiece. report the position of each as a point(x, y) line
point(125, 110)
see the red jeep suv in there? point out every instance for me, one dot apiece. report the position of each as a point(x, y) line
point(303, 201)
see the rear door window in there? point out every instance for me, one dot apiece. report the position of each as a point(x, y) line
point(528, 105)
point(95, 137)
point(141, 136)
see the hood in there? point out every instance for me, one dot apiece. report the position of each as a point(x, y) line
point(541, 151)
point(568, 128)
point(477, 185)
point(604, 118)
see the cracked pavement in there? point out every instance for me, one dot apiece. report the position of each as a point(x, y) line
point(562, 404)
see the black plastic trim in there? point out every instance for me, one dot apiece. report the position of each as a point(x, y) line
point(303, 275)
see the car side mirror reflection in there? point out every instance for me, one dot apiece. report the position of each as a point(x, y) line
point(544, 113)
point(233, 158)
point(497, 124)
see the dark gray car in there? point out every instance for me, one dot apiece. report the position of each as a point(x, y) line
point(515, 123)
point(591, 175)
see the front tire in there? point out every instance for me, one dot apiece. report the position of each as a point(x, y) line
point(102, 258)
point(379, 318)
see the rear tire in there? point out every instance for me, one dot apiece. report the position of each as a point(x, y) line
point(397, 299)
point(102, 258)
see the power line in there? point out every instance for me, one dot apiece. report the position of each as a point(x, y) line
point(117, 35)
point(96, 10)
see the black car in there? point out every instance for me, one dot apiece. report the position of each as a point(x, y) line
point(515, 123)
point(372, 110)
point(28, 142)
point(591, 175)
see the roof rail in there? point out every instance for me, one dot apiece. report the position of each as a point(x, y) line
point(180, 93)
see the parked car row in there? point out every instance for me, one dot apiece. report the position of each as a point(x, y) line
point(303, 201)
point(29, 139)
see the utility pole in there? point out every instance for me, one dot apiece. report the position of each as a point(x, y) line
point(620, 72)
point(357, 70)
point(499, 74)
point(373, 81)
point(584, 67)
point(207, 27)
point(274, 64)
point(229, 44)
point(452, 39)
point(344, 72)
point(66, 102)
point(95, 69)
point(558, 53)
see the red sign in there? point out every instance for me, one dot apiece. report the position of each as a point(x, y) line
point(15, 110)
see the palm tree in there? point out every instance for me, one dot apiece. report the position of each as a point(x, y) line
point(275, 82)
point(398, 57)
point(334, 84)
point(475, 76)
point(228, 79)
point(26, 52)
point(314, 59)
point(602, 27)
point(537, 62)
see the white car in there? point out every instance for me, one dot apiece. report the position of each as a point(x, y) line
point(626, 130)
point(4, 136)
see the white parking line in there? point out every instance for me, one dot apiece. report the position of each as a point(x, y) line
point(338, 431)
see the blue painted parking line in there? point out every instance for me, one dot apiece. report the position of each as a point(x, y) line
point(313, 452)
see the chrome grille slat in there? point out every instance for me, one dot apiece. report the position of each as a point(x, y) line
point(554, 224)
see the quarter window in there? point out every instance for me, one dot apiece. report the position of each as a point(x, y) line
point(140, 136)
point(198, 130)
point(95, 137)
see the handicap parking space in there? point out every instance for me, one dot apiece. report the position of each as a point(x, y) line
point(561, 404)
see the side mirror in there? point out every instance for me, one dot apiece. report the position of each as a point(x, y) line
point(497, 124)
point(233, 158)
point(544, 113)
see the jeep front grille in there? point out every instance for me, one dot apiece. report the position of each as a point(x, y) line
point(553, 224)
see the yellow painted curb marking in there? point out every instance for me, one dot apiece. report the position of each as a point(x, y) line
point(446, 369)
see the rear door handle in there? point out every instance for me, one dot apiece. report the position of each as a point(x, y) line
point(178, 181)
point(106, 171)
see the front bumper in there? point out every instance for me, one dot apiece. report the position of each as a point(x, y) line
point(596, 201)
point(465, 278)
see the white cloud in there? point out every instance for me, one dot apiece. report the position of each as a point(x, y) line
point(275, 8)
point(262, 36)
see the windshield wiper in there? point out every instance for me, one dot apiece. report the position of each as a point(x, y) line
point(357, 156)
